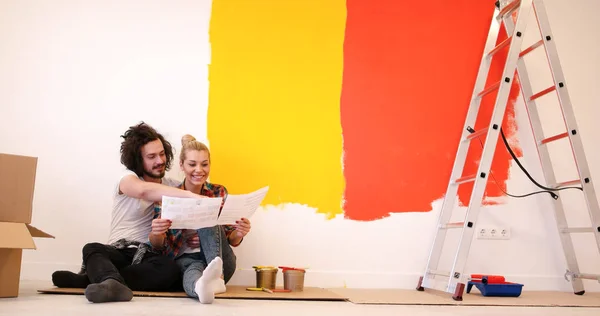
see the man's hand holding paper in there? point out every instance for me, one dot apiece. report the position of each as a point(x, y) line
point(186, 213)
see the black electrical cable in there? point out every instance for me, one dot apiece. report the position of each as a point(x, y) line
point(546, 189)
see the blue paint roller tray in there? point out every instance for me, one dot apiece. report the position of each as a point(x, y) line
point(506, 289)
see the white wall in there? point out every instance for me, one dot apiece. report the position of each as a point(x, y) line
point(73, 77)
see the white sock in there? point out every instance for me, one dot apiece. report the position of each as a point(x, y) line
point(205, 286)
point(219, 286)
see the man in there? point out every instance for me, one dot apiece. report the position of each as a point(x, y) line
point(127, 262)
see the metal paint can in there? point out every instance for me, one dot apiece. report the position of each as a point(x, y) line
point(293, 280)
point(266, 277)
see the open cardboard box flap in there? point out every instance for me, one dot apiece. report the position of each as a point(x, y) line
point(19, 235)
point(36, 232)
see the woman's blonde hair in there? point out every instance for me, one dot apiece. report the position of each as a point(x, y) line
point(189, 142)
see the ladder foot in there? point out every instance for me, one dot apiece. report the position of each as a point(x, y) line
point(420, 285)
point(580, 292)
point(460, 288)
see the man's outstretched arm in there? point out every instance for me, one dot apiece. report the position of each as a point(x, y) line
point(149, 191)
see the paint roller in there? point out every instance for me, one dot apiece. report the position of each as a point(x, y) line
point(487, 279)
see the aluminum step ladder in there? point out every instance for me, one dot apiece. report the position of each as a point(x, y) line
point(454, 279)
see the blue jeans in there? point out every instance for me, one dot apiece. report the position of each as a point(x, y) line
point(213, 243)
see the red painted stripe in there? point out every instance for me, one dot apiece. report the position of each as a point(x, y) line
point(400, 138)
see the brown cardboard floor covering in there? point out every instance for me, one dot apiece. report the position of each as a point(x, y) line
point(233, 292)
point(430, 297)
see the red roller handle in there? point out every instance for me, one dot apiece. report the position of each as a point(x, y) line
point(490, 278)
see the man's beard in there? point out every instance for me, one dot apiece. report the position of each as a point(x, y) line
point(155, 176)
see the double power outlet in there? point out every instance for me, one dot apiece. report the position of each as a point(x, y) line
point(498, 233)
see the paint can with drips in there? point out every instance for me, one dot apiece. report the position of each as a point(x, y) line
point(266, 277)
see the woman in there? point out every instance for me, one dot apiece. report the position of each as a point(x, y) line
point(205, 256)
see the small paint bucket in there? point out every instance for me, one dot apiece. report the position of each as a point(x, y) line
point(266, 277)
point(293, 279)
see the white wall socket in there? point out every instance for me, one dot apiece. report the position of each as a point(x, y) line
point(497, 233)
point(505, 233)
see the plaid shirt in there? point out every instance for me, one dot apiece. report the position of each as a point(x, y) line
point(175, 239)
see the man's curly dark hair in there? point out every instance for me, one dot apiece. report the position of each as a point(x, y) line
point(131, 147)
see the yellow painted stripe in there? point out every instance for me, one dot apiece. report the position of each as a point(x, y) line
point(274, 99)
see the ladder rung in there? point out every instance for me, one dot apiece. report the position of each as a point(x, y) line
point(541, 93)
point(566, 183)
point(553, 138)
point(465, 179)
point(489, 89)
point(476, 134)
point(453, 225)
point(499, 47)
point(531, 48)
point(439, 273)
point(510, 8)
point(577, 230)
point(588, 276)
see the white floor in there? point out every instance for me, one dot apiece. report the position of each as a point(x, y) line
point(31, 303)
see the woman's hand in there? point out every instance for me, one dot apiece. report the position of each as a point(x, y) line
point(242, 227)
point(160, 226)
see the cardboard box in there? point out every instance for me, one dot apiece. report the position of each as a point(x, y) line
point(17, 183)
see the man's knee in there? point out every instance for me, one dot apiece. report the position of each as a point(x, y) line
point(92, 248)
